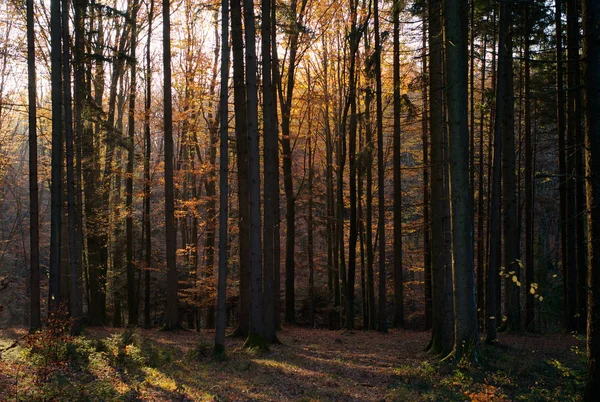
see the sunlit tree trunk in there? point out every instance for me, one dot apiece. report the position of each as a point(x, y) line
point(241, 135)
point(147, 187)
point(398, 272)
point(57, 155)
point(223, 181)
point(132, 302)
point(256, 336)
point(172, 319)
point(35, 321)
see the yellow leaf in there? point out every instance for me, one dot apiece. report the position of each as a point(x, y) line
point(514, 278)
point(532, 291)
point(541, 298)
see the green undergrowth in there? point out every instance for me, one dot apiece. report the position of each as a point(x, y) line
point(506, 375)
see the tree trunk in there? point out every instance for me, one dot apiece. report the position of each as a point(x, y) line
point(493, 284)
point(256, 337)
point(509, 194)
point(481, 216)
point(223, 181)
point(466, 337)
point(398, 272)
point(76, 308)
point(56, 157)
point(132, 304)
point(147, 188)
point(271, 166)
point(442, 338)
point(172, 320)
point(426, 193)
point(591, 53)
point(241, 135)
point(35, 321)
point(529, 189)
point(380, 174)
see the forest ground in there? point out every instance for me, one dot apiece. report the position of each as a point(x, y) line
point(309, 365)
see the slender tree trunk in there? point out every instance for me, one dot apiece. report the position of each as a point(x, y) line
point(466, 336)
point(75, 295)
point(57, 157)
point(132, 304)
point(591, 54)
point(442, 338)
point(170, 230)
point(493, 284)
point(570, 156)
point(562, 168)
point(309, 228)
point(241, 134)
point(35, 321)
point(509, 196)
point(223, 181)
point(398, 272)
point(147, 188)
point(426, 193)
point(256, 336)
point(529, 193)
point(380, 175)
point(271, 166)
point(480, 209)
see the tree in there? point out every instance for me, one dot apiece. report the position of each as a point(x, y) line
point(529, 189)
point(380, 173)
point(223, 181)
point(132, 300)
point(241, 136)
point(271, 167)
point(466, 336)
point(57, 154)
point(591, 54)
point(256, 336)
point(170, 232)
point(442, 338)
point(398, 272)
point(76, 307)
point(35, 322)
point(148, 154)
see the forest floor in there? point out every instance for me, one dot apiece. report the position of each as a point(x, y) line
point(309, 365)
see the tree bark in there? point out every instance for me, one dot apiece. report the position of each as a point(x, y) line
point(466, 336)
point(35, 321)
point(591, 53)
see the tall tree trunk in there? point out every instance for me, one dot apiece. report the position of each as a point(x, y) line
point(170, 230)
point(562, 168)
point(35, 321)
point(529, 189)
point(76, 308)
point(147, 188)
point(57, 155)
point(223, 181)
point(426, 193)
point(256, 336)
point(296, 17)
point(493, 284)
point(509, 196)
point(466, 336)
point(398, 272)
point(481, 216)
point(241, 135)
point(271, 166)
point(380, 174)
point(570, 156)
point(591, 53)
point(132, 302)
point(442, 300)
